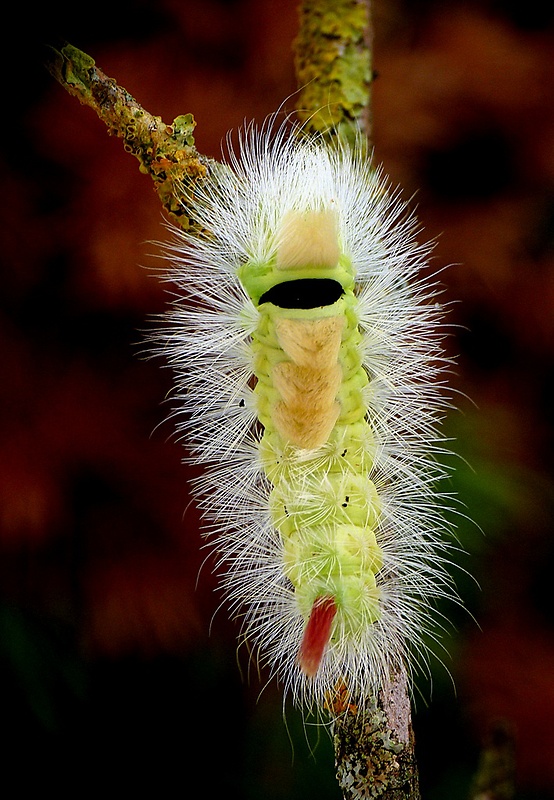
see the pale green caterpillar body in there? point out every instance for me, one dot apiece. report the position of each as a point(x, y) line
point(308, 356)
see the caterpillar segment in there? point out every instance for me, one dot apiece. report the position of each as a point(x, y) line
point(309, 391)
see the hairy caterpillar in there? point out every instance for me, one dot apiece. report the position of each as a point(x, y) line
point(308, 360)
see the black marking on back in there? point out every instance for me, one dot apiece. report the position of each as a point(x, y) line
point(304, 293)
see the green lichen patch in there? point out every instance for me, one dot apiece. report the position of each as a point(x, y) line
point(333, 66)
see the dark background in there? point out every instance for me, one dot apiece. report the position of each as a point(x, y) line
point(109, 675)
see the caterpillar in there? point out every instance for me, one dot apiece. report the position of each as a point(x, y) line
point(308, 359)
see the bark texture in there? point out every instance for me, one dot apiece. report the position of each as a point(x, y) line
point(374, 748)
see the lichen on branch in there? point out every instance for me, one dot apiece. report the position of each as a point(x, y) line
point(333, 66)
point(165, 152)
point(374, 747)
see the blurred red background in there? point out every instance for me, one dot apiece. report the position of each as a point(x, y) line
point(107, 664)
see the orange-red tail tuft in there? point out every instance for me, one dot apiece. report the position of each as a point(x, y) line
point(317, 634)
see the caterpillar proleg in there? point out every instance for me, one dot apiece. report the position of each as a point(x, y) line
point(308, 359)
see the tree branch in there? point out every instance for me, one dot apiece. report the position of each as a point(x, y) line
point(333, 66)
point(165, 152)
point(374, 746)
